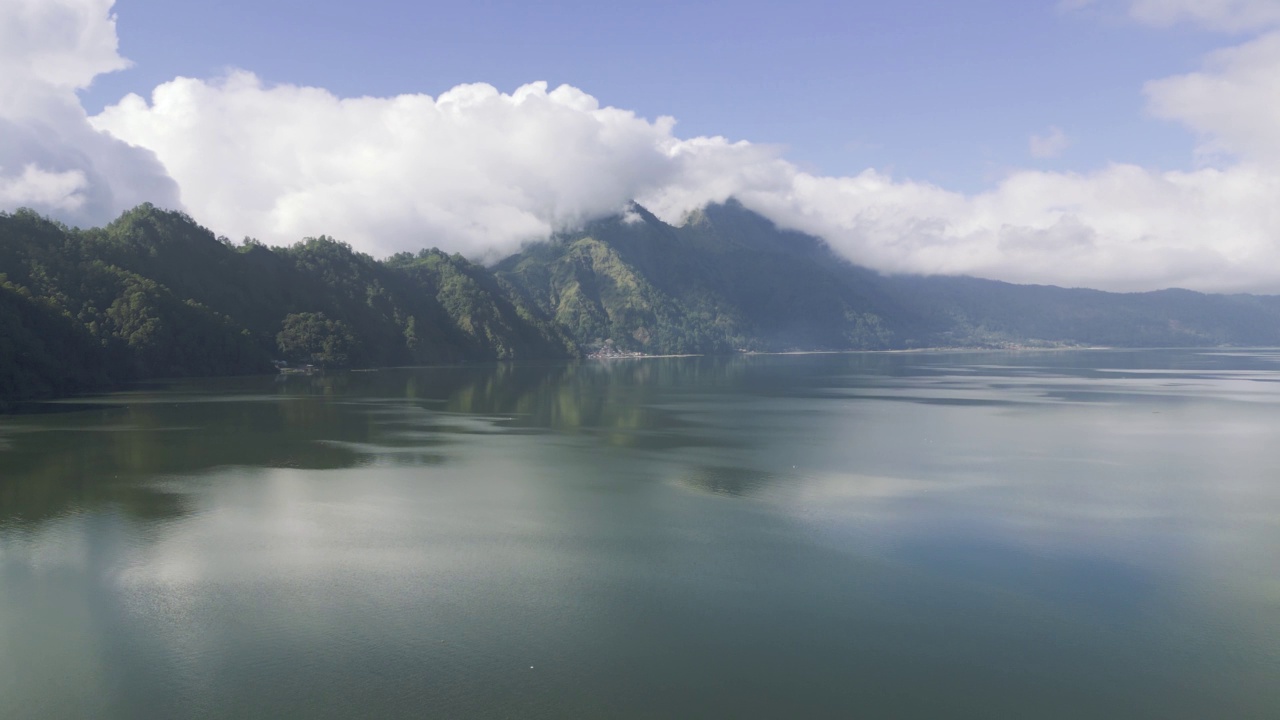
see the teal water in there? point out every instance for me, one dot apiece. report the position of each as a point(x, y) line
point(968, 535)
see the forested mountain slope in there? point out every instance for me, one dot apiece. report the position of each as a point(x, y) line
point(725, 280)
point(155, 295)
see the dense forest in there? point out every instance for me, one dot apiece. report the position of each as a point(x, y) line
point(155, 295)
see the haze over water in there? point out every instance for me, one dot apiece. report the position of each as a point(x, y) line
point(986, 535)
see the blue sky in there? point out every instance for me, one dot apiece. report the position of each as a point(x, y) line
point(936, 90)
point(1116, 144)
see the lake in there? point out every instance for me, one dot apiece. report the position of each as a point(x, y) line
point(1061, 534)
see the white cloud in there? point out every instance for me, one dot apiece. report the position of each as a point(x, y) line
point(50, 158)
point(1120, 228)
point(1234, 102)
point(1225, 15)
point(1051, 144)
point(474, 169)
point(61, 44)
point(39, 188)
point(1220, 15)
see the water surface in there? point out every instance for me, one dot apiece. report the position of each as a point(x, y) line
point(985, 535)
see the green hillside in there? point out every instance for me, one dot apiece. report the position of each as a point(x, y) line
point(154, 295)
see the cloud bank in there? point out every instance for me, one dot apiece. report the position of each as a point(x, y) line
point(480, 171)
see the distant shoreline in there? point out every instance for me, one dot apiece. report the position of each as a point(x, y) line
point(901, 351)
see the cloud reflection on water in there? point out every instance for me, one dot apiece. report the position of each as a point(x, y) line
point(1133, 516)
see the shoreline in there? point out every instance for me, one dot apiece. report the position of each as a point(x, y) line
point(899, 351)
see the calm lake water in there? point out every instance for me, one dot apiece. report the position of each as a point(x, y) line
point(970, 535)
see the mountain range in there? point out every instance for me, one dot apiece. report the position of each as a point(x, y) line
point(728, 279)
point(155, 295)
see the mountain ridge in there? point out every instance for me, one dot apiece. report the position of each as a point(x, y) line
point(153, 294)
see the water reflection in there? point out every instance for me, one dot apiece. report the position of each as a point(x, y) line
point(98, 453)
point(104, 452)
point(731, 481)
point(913, 535)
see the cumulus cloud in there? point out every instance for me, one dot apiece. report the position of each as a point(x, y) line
point(51, 159)
point(41, 188)
point(1234, 102)
point(56, 43)
point(474, 169)
point(1051, 144)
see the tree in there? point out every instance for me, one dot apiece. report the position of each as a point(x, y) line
point(314, 338)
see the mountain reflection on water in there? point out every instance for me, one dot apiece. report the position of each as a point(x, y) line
point(1035, 534)
point(102, 452)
